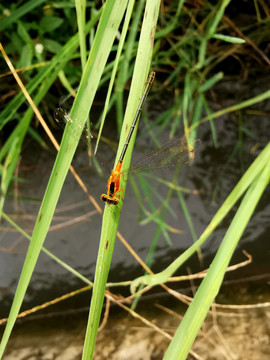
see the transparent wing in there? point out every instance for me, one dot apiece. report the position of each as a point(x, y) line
point(171, 154)
point(62, 118)
point(175, 152)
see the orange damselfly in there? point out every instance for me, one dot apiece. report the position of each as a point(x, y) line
point(168, 155)
point(113, 185)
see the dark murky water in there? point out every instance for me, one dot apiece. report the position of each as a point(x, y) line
point(77, 244)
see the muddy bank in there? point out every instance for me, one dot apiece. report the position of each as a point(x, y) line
point(240, 334)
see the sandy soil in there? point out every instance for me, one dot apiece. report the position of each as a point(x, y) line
point(231, 335)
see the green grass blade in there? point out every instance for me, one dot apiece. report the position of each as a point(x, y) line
point(115, 67)
point(18, 13)
point(8, 170)
point(109, 22)
point(212, 25)
point(209, 288)
point(45, 73)
point(125, 72)
point(23, 126)
point(187, 215)
point(112, 213)
point(249, 176)
point(47, 252)
point(80, 10)
point(256, 99)
point(229, 39)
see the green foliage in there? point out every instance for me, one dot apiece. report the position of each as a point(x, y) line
point(52, 41)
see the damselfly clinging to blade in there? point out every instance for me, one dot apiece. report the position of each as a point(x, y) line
point(176, 151)
point(113, 185)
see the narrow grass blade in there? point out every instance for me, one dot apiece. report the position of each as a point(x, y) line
point(47, 252)
point(80, 10)
point(19, 12)
point(112, 214)
point(8, 170)
point(209, 288)
point(115, 67)
point(109, 22)
point(45, 74)
point(244, 183)
point(256, 99)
